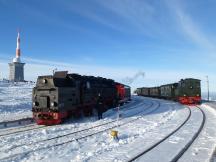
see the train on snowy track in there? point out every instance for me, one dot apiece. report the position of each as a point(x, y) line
point(186, 91)
point(62, 95)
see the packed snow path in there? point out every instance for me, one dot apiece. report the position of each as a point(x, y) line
point(142, 123)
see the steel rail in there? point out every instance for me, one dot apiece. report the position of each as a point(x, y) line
point(162, 140)
point(186, 147)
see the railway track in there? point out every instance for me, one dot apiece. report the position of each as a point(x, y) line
point(86, 133)
point(11, 131)
point(141, 155)
point(96, 126)
point(20, 130)
point(24, 121)
point(179, 155)
point(127, 106)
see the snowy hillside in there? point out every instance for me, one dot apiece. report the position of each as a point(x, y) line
point(15, 100)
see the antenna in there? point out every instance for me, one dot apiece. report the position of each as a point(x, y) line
point(207, 80)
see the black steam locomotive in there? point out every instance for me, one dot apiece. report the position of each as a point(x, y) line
point(62, 95)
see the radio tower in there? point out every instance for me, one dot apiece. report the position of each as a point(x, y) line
point(17, 67)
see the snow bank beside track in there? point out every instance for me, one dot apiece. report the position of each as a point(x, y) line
point(15, 101)
point(203, 147)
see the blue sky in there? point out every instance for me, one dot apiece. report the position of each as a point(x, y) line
point(165, 39)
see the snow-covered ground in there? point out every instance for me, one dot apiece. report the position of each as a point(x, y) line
point(142, 123)
point(150, 119)
point(15, 100)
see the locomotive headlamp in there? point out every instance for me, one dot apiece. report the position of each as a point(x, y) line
point(44, 81)
point(53, 104)
point(197, 94)
point(35, 103)
point(185, 95)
